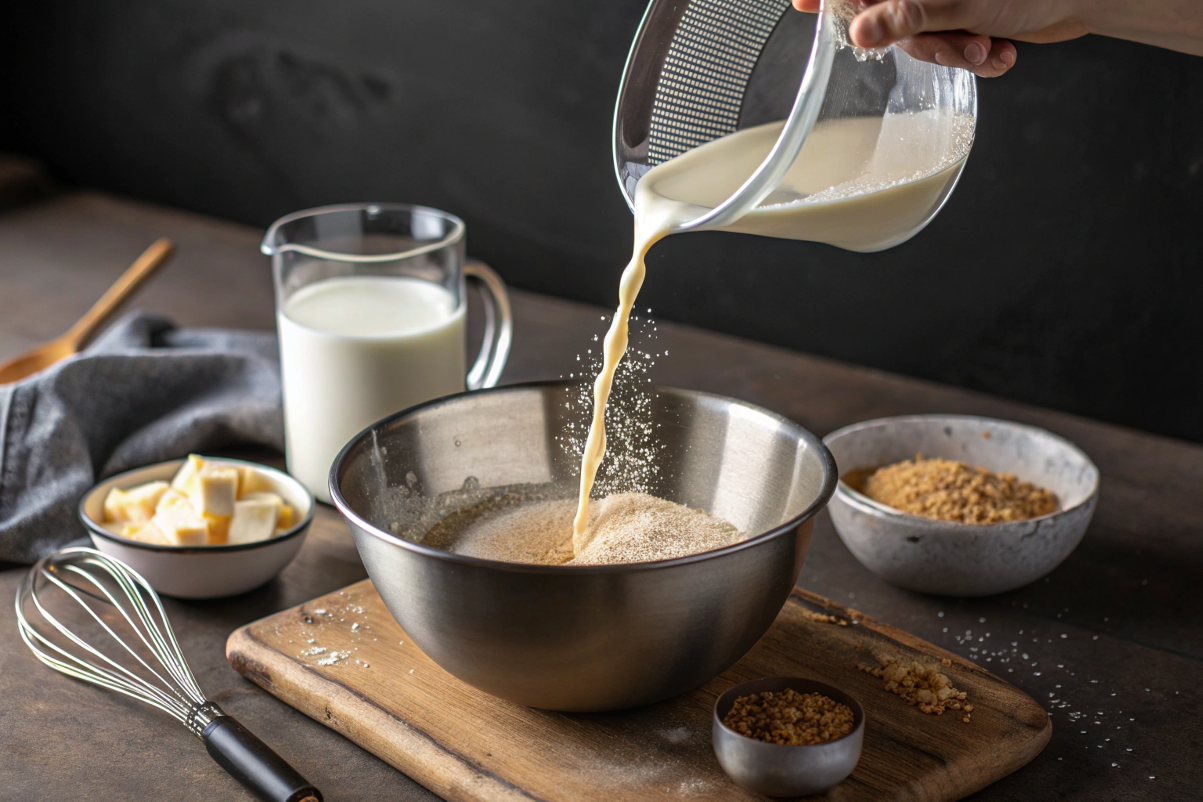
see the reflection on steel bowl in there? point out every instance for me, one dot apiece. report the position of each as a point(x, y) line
point(581, 638)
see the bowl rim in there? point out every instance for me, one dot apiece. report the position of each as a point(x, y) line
point(826, 491)
point(858, 711)
point(865, 504)
point(95, 528)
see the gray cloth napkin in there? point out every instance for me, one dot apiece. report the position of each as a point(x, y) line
point(143, 392)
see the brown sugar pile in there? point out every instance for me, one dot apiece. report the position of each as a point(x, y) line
point(823, 618)
point(921, 685)
point(948, 490)
point(790, 718)
point(623, 528)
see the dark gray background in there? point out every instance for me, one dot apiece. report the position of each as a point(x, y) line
point(1064, 271)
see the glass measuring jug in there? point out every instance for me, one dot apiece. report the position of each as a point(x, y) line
point(768, 121)
point(371, 312)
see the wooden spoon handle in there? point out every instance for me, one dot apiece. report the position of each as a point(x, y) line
point(130, 280)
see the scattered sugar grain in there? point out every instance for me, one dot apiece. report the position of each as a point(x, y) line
point(333, 658)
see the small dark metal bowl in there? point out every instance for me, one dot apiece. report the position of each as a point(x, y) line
point(777, 770)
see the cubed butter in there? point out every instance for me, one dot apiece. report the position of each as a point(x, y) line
point(136, 505)
point(254, 520)
point(185, 477)
point(148, 532)
point(172, 499)
point(215, 490)
point(206, 503)
point(253, 481)
point(284, 513)
point(219, 529)
point(179, 522)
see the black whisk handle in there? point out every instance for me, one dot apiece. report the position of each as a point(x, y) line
point(254, 764)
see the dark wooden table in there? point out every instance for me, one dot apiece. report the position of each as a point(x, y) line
point(1113, 635)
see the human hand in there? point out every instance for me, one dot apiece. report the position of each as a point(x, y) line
point(970, 34)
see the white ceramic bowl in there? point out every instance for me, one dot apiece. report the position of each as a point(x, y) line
point(955, 559)
point(200, 572)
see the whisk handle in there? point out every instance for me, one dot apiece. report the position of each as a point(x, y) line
point(254, 764)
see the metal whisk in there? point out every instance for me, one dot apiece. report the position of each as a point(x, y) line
point(103, 585)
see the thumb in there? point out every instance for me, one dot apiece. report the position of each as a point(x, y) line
point(886, 23)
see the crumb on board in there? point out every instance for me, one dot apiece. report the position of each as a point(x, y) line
point(921, 685)
point(823, 618)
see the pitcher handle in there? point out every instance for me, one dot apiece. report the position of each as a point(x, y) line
point(499, 326)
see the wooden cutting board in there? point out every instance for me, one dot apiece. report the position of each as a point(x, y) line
point(344, 661)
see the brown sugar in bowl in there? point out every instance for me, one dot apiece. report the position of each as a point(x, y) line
point(950, 490)
point(777, 769)
point(947, 557)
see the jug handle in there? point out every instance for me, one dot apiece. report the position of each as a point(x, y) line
point(499, 326)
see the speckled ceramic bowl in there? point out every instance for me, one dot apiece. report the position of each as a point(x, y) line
point(954, 559)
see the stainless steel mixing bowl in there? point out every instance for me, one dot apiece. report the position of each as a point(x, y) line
point(581, 638)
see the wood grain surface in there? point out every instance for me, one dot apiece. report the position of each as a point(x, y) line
point(1111, 642)
point(344, 661)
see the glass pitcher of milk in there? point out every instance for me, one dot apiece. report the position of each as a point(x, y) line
point(746, 115)
point(371, 311)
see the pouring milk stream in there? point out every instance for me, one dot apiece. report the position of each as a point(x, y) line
point(860, 183)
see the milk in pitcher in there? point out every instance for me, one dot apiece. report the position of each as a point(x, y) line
point(355, 349)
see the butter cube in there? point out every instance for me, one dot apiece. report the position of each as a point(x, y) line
point(253, 481)
point(254, 520)
point(179, 522)
point(219, 529)
point(285, 516)
point(171, 500)
point(215, 489)
point(185, 477)
point(191, 533)
point(136, 505)
point(148, 532)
